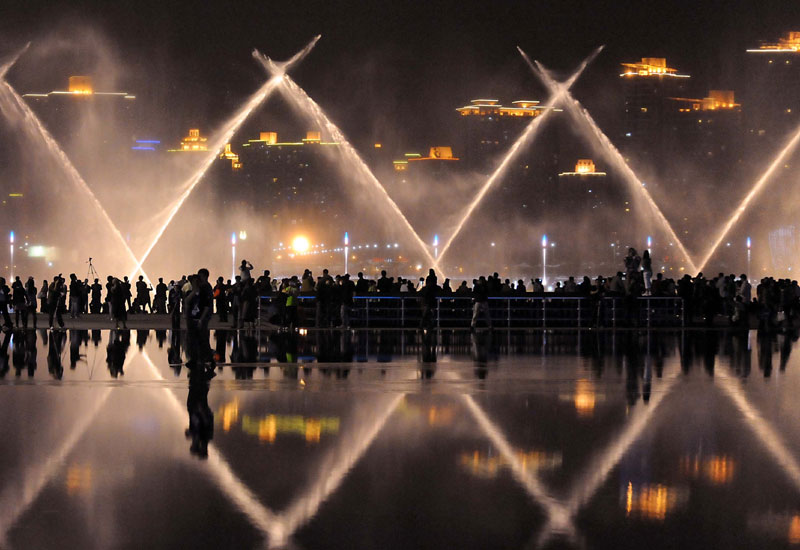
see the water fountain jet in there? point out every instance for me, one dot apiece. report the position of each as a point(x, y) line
point(12, 105)
point(582, 116)
point(754, 191)
point(304, 104)
point(223, 137)
point(531, 130)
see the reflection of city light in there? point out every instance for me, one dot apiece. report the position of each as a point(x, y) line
point(584, 397)
point(719, 470)
point(653, 501)
point(269, 427)
point(794, 530)
point(79, 479)
point(482, 465)
point(229, 414)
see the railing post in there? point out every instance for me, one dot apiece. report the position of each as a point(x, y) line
point(402, 312)
point(544, 312)
point(508, 312)
point(614, 312)
point(438, 312)
point(579, 301)
point(366, 313)
point(647, 301)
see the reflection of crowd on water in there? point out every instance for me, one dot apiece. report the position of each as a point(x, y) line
point(772, 303)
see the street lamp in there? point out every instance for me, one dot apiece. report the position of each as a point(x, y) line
point(436, 247)
point(544, 260)
point(233, 255)
point(749, 244)
point(346, 250)
point(11, 240)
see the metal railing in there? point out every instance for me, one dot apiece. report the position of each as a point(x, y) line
point(543, 311)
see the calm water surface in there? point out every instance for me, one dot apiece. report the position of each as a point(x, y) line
point(400, 440)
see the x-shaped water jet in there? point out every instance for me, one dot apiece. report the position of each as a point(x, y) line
point(582, 117)
point(531, 130)
point(303, 102)
point(224, 137)
point(10, 99)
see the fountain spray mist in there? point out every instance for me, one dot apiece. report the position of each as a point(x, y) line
point(224, 137)
point(4, 68)
point(612, 154)
point(11, 104)
point(304, 104)
point(756, 189)
point(527, 135)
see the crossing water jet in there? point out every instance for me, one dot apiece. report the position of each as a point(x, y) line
point(223, 137)
point(15, 109)
point(791, 144)
point(527, 135)
point(612, 154)
point(304, 104)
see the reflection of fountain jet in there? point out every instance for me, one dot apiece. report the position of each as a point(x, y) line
point(304, 104)
point(16, 501)
point(526, 137)
point(279, 528)
point(223, 137)
point(757, 187)
point(761, 428)
point(561, 512)
point(582, 116)
point(14, 107)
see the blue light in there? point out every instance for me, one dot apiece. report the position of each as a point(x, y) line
point(544, 241)
point(436, 240)
point(11, 237)
point(143, 148)
point(233, 237)
point(346, 238)
point(748, 243)
point(147, 141)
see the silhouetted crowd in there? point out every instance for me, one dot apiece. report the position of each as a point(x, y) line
point(193, 299)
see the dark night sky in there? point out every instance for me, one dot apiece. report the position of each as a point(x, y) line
point(396, 67)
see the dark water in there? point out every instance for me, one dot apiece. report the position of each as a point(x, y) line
point(400, 441)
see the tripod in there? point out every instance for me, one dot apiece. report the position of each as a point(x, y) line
point(91, 273)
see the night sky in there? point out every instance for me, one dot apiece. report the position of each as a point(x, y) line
point(382, 68)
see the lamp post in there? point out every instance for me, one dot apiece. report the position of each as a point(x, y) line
point(346, 250)
point(11, 258)
point(544, 260)
point(436, 247)
point(233, 255)
point(650, 245)
point(749, 244)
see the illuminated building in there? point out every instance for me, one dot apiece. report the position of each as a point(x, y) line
point(772, 81)
point(490, 128)
point(83, 109)
point(439, 162)
point(194, 142)
point(709, 129)
point(288, 180)
point(646, 87)
point(585, 187)
point(231, 156)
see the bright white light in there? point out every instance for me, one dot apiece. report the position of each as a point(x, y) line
point(300, 244)
point(242, 235)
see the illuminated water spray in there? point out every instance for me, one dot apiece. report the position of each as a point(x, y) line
point(14, 108)
point(223, 137)
point(352, 160)
point(527, 135)
point(757, 187)
point(612, 154)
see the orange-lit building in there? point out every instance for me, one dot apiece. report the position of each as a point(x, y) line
point(772, 80)
point(489, 128)
point(646, 88)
